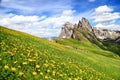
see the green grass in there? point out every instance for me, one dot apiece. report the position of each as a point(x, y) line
point(101, 60)
point(26, 57)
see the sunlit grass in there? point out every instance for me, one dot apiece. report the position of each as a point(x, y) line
point(25, 57)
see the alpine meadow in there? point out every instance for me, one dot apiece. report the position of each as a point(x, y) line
point(59, 39)
point(26, 57)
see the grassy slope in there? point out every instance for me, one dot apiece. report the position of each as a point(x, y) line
point(88, 37)
point(24, 56)
point(95, 57)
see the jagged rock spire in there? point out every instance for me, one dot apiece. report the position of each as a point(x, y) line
point(86, 24)
point(67, 30)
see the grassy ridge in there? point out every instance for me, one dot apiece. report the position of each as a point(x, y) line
point(27, 57)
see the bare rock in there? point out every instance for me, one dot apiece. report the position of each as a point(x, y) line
point(83, 28)
point(86, 24)
point(67, 30)
point(106, 34)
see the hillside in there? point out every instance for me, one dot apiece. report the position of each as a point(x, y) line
point(26, 57)
point(84, 32)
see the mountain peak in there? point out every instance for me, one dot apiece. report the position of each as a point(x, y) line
point(86, 24)
point(67, 30)
point(84, 28)
point(83, 18)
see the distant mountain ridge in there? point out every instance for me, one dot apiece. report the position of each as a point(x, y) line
point(84, 29)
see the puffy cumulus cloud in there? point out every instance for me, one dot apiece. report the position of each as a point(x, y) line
point(38, 25)
point(17, 21)
point(104, 14)
point(41, 26)
point(22, 23)
point(106, 17)
point(102, 9)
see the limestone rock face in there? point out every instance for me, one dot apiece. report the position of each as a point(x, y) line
point(106, 34)
point(83, 28)
point(79, 25)
point(67, 30)
point(86, 24)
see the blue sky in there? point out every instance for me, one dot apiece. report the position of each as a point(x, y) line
point(44, 18)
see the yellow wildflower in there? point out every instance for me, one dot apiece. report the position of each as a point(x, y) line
point(41, 73)
point(15, 62)
point(11, 54)
point(34, 73)
point(24, 63)
point(15, 49)
point(13, 69)
point(46, 61)
point(6, 66)
point(28, 51)
point(46, 77)
point(61, 75)
point(30, 60)
point(81, 79)
point(38, 69)
point(48, 70)
point(33, 60)
point(21, 73)
point(53, 74)
point(37, 66)
point(36, 54)
point(46, 65)
point(19, 66)
point(69, 79)
point(75, 79)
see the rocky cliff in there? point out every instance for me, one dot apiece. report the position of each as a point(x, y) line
point(106, 34)
point(67, 30)
point(84, 29)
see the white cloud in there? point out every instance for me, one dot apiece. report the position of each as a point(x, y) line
point(57, 21)
point(110, 26)
point(104, 14)
point(20, 20)
point(38, 25)
point(106, 17)
point(102, 9)
point(21, 23)
point(41, 25)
